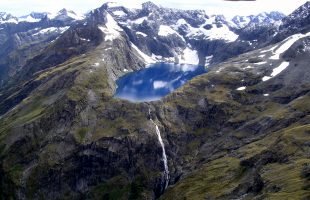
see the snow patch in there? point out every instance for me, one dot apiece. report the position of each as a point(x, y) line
point(277, 71)
point(139, 20)
point(119, 13)
point(287, 44)
point(266, 78)
point(11, 20)
point(68, 13)
point(241, 88)
point(260, 63)
point(28, 18)
point(140, 33)
point(145, 57)
point(215, 33)
point(84, 39)
point(111, 29)
point(166, 30)
point(52, 29)
point(208, 60)
point(275, 57)
point(181, 22)
point(189, 56)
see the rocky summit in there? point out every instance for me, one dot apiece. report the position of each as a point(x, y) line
point(239, 131)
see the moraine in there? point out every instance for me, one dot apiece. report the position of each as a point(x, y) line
point(156, 81)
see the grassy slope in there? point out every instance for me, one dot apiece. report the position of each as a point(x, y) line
point(99, 116)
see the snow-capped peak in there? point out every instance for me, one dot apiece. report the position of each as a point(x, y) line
point(65, 14)
point(149, 6)
point(33, 17)
point(264, 17)
point(111, 29)
point(7, 18)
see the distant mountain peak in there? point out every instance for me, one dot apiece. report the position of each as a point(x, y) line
point(264, 17)
point(149, 6)
point(65, 14)
point(112, 4)
point(7, 18)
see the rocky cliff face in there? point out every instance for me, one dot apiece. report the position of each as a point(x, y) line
point(238, 132)
point(162, 34)
point(25, 37)
point(296, 22)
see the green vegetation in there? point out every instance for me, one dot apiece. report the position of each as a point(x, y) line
point(80, 134)
point(210, 129)
point(15, 173)
point(119, 188)
point(213, 180)
point(116, 188)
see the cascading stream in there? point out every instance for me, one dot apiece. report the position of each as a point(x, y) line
point(166, 173)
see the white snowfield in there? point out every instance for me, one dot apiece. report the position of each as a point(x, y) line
point(84, 39)
point(215, 33)
point(51, 30)
point(28, 18)
point(287, 44)
point(279, 69)
point(276, 71)
point(146, 58)
point(189, 56)
point(119, 13)
point(260, 63)
point(13, 21)
point(111, 29)
point(241, 88)
point(242, 21)
point(208, 60)
point(139, 20)
point(166, 30)
point(70, 14)
point(5, 18)
point(140, 33)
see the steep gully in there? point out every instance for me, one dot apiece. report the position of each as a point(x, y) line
point(164, 156)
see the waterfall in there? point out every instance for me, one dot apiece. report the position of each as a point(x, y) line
point(166, 173)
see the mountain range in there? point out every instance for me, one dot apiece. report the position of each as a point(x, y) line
point(240, 131)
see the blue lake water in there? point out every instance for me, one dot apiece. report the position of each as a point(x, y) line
point(155, 82)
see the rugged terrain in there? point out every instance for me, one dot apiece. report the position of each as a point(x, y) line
point(240, 131)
